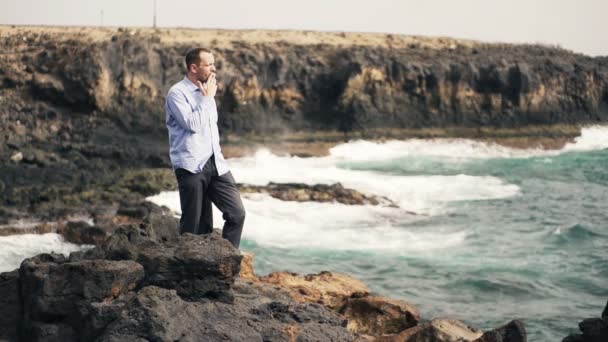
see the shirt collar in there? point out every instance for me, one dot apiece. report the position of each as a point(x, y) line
point(189, 85)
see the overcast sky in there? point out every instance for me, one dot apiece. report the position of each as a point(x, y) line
point(579, 25)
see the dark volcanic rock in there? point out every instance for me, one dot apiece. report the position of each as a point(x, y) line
point(55, 292)
point(83, 233)
point(513, 331)
point(158, 314)
point(198, 266)
point(10, 305)
point(592, 330)
point(54, 288)
point(319, 193)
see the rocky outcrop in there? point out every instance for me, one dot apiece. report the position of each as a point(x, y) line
point(592, 329)
point(319, 193)
point(438, 330)
point(327, 288)
point(134, 287)
point(145, 282)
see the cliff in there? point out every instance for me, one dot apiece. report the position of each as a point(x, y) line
point(81, 108)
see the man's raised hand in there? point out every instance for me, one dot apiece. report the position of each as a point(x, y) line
point(208, 88)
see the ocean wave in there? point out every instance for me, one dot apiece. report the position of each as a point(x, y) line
point(574, 234)
point(15, 248)
point(455, 150)
point(422, 194)
point(330, 226)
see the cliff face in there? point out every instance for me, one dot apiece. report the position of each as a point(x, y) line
point(78, 105)
point(273, 85)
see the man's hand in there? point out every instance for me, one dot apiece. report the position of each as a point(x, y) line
point(208, 88)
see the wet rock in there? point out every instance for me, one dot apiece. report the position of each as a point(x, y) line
point(513, 331)
point(592, 330)
point(319, 193)
point(377, 316)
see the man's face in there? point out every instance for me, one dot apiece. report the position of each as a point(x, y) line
point(206, 67)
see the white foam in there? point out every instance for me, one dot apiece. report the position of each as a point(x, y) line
point(421, 194)
point(335, 226)
point(15, 248)
point(591, 138)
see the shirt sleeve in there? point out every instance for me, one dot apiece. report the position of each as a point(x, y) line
point(190, 120)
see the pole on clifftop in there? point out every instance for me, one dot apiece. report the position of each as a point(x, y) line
point(154, 19)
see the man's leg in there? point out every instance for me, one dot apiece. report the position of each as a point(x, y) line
point(225, 195)
point(205, 225)
point(191, 189)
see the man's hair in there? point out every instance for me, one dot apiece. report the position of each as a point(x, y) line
point(194, 57)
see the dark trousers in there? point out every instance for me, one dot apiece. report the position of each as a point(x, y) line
point(198, 190)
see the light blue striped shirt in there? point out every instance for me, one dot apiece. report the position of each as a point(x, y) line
point(192, 124)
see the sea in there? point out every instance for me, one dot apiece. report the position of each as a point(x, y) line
point(483, 233)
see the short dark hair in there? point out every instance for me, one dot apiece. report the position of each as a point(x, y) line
point(194, 57)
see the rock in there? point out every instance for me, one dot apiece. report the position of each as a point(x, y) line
point(327, 288)
point(17, 157)
point(55, 291)
point(197, 266)
point(247, 271)
point(377, 316)
point(161, 226)
point(592, 329)
point(83, 233)
point(320, 193)
point(158, 314)
point(10, 305)
point(513, 331)
point(438, 330)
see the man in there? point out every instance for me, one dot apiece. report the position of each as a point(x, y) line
point(200, 168)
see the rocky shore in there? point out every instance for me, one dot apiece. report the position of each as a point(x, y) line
point(82, 118)
point(143, 282)
point(82, 138)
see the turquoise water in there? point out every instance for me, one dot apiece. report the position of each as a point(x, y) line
point(540, 256)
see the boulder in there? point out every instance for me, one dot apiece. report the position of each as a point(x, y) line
point(438, 330)
point(83, 233)
point(513, 331)
point(54, 292)
point(377, 316)
point(327, 288)
point(196, 266)
point(592, 329)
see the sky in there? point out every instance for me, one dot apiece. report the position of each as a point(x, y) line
point(580, 25)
